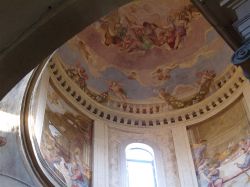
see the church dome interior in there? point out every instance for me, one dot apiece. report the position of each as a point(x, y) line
point(147, 52)
point(144, 96)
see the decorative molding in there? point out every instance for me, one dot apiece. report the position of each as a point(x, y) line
point(241, 58)
point(228, 87)
point(27, 131)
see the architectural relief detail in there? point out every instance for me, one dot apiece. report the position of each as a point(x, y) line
point(228, 89)
point(208, 84)
point(242, 58)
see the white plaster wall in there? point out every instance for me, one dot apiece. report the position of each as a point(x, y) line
point(7, 181)
point(14, 167)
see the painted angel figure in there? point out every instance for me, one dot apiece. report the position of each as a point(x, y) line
point(163, 73)
point(205, 76)
point(81, 75)
point(117, 90)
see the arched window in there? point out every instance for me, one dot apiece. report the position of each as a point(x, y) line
point(140, 165)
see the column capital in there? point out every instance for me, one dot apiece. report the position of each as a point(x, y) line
point(241, 57)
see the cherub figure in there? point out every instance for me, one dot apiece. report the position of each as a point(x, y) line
point(78, 74)
point(117, 90)
point(163, 73)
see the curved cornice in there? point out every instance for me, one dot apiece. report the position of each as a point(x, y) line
point(227, 88)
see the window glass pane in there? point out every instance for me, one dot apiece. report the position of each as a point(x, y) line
point(139, 154)
point(140, 165)
point(140, 174)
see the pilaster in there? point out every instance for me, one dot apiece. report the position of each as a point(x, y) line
point(184, 157)
point(100, 154)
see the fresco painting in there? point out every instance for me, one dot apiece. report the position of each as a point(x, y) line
point(144, 48)
point(132, 36)
point(221, 148)
point(206, 78)
point(66, 142)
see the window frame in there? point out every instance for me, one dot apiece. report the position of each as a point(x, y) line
point(148, 150)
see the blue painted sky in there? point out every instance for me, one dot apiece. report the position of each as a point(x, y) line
point(184, 76)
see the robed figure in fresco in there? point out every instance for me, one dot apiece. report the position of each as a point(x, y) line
point(223, 167)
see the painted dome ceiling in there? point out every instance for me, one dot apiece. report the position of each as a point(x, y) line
point(147, 51)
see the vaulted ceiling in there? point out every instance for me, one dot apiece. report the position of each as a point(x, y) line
point(148, 51)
